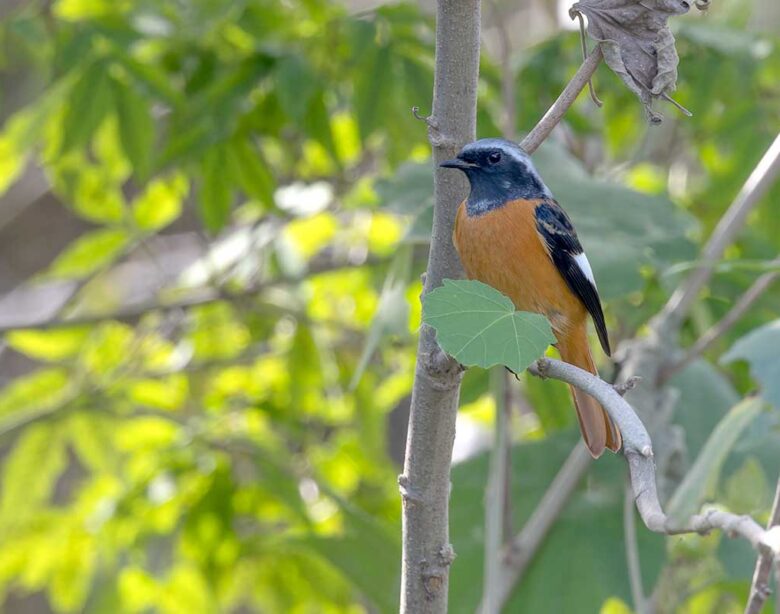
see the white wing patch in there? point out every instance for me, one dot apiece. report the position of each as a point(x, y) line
point(582, 262)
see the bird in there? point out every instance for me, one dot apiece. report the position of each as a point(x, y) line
point(511, 234)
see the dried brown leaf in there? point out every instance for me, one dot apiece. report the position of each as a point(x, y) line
point(637, 44)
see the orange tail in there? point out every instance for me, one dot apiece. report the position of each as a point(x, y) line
point(598, 430)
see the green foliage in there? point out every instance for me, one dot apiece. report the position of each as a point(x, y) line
point(588, 531)
point(702, 478)
point(759, 349)
point(479, 326)
point(230, 450)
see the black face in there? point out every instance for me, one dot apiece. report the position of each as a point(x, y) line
point(498, 171)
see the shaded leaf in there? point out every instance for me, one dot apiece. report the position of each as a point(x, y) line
point(86, 106)
point(295, 85)
point(136, 126)
point(250, 171)
point(591, 520)
point(371, 89)
point(367, 554)
point(759, 349)
point(702, 479)
point(478, 326)
point(216, 194)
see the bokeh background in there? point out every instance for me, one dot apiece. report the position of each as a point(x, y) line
point(213, 219)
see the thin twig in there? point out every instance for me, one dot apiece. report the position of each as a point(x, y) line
point(759, 588)
point(732, 222)
point(591, 90)
point(495, 497)
point(520, 551)
point(632, 552)
point(202, 297)
point(746, 301)
point(558, 109)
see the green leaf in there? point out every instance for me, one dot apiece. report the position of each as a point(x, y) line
point(86, 106)
point(53, 345)
point(89, 253)
point(477, 325)
point(392, 315)
point(250, 172)
point(706, 396)
point(136, 126)
point(295, 85)
point(41, 389)
point(759, 349)
point(160, 203)
point(367, 554)
point(701, 480)
point(216, 194)
point(591, 519)
point(371, 89)
point(30, 472)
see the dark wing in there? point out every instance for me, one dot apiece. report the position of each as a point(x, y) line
point(560, 240)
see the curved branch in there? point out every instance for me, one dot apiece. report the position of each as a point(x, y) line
point(558, 109)
point(638, 450)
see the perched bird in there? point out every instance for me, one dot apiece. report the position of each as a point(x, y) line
point(512, 235)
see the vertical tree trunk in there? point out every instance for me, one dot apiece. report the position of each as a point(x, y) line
point(425, 482)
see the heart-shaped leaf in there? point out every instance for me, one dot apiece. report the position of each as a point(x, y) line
point(478, 326)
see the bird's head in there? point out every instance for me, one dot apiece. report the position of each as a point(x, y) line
point(499, 171)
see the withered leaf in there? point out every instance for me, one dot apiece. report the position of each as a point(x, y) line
point(637, 44)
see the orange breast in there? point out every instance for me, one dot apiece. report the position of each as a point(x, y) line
point(502, 249)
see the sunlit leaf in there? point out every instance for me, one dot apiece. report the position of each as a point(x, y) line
point(30, 471)
point(41, 389)
point(89, 253)
point(160, 203)
point(50, 345)
point(477, 325)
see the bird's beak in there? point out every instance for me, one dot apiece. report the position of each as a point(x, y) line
point(457, 163)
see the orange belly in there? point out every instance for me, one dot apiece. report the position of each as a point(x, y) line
point(502, 249)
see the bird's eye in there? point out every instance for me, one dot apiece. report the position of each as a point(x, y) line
point(494, 157)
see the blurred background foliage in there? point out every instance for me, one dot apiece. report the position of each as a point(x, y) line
point(213, 220)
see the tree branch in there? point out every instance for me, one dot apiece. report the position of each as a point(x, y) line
point(745, 302)
point(638, 450)
point(632, 553)
point(759, 588)
point(203, 296)
point(495, 497)
point(425, 482)
point(757, 184)
point(519, 552)
point(569, 94)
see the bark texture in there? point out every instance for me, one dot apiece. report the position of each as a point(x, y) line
point(425, 482)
